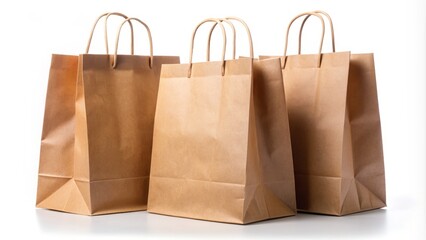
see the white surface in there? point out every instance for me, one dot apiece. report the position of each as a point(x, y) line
point(394, 30)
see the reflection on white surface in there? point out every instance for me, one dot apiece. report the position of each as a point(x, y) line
point(372, 223)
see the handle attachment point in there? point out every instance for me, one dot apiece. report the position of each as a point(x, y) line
point(191, 52)
point(107, 15)
point(288, 31)
point(151, 59)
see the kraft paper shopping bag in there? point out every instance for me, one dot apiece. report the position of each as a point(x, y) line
point(221, 148)
point(115, 100)
point(335, 129)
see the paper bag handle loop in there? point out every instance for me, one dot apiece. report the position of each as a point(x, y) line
point(234, 42)
point(234, 34)
point(107, 15)
point(191, 52)
point(151, 59)
point(333, 45)
point(288, 31)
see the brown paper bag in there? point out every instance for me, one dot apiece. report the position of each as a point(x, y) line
point(335, 130)
point(96, 160)
point(58, 135)
point(221, 148)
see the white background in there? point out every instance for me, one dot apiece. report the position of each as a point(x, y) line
point(394, 30)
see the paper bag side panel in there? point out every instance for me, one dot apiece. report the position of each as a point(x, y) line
point(57, 140)
point(366, 138)
point(271, 136)
point(57, 178)
point(81, 173)
point(255, 208)
point(316, 100)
